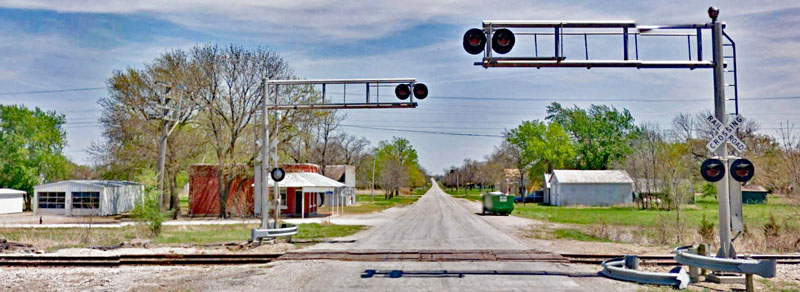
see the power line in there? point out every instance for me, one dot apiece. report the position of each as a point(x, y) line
point(51, 91)
point(424, 132)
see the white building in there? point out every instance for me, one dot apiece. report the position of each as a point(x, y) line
point(345, 174)
point(590, 187)
point(546, 189)
point(11, 201)
point(86, 197)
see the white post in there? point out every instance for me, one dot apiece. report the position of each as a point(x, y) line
point(303, 205)
point(264, 191)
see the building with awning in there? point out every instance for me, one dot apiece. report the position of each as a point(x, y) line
point(303, 192)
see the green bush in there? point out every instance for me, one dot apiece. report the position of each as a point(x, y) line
point(706, 229)
point(709, 189)
point(147, 212)
point(772, 228)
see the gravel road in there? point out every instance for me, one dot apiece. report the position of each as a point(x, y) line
point(435, 221)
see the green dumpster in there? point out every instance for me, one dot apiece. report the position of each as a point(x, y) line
point(498, 203)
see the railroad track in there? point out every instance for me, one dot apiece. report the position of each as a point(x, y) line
point(666, 260)
point(123, 260)
point(363, 256)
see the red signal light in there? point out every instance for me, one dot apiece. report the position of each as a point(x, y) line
point(502, 41)
point(402, 91)
point(420, 91)
point(742, 170)
point(712, 170)
point(474, 41)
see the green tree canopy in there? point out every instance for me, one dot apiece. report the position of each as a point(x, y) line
point(31, 144)
point(602, 134)
point(545, 146)
point(398, 159)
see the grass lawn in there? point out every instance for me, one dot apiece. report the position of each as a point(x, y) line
point(755, 215)
point(56, 238)
point(471, 194)
point(183, 202)
point(366, 204)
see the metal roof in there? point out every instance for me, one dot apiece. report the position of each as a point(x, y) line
point(591, 176)
point(306, 179)
point(11, 192)
point(752, 188)
point(97, 183)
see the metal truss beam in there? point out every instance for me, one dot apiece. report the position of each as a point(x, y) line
point(341, 81)
point(377, 105)
point(545, 62)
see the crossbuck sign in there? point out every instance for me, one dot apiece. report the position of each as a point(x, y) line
point(726, 133)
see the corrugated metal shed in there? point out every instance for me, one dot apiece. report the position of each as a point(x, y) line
point(590, 187)
point(115, 197)
point(592, 176)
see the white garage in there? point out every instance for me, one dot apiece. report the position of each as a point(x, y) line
point(86, 197)
point(590, 187)
point(11, 201)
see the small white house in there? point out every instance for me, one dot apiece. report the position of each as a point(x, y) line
point(11, 201)
point(590, 187)
point(345, 174)
point(86, 197)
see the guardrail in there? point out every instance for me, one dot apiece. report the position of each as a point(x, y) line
point(617, 269)
point(764, 268)
point(285, 230)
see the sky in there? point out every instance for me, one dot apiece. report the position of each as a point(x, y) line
point(57, 55)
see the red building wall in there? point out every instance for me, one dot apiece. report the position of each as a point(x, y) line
point(204, 193)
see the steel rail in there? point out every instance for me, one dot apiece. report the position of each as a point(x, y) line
point(360, 255)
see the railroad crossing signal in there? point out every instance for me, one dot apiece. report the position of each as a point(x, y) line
point(277, 174)
point(712, 170)
point(726, 133)
point(742, 170)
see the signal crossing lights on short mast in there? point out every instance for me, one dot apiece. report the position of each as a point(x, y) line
point(741, 170)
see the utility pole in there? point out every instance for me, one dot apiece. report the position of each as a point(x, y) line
point(372, 191)
point(180, 116)
point(162, 150)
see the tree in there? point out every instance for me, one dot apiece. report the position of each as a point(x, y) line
point(229, 95)
point(31, 145)
point(546, 146)
point(398, 158)
point(133, 122)
point(601, 133)
point(512, 156)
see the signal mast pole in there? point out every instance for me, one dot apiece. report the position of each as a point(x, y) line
point(723, 186)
